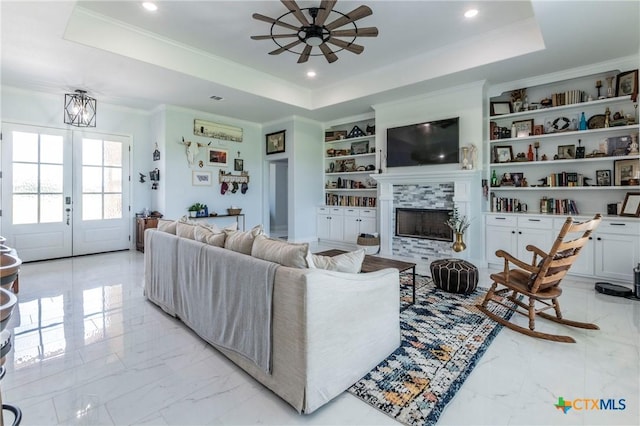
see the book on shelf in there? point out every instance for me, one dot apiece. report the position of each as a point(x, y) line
point(565, 179)
point(558, 206)
point(349, 200)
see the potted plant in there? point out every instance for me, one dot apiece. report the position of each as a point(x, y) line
point(458, 225)
point(194, 209)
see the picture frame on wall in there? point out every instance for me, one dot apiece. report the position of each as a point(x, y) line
point(217, 157)
point(238, 164)
point(200, 178)
point(626, 171)
point(276, 142)
point(627, 83)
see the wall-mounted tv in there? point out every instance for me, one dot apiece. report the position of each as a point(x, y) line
point(433, 142)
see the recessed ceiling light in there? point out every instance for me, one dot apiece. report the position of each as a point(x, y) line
point(471, 13)
point(151, 7)
point(311, 74)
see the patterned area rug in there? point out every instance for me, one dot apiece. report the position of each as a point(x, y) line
point(443, 337)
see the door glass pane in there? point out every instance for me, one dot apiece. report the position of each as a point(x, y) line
point(112, 206)
point(51, 178)
point(25, 209)
point(91, 206)
point(91, 152)
point(112, 179)
point(112, 153)
point(51, 149)
point(91, 179)
point(51, 208)
point(25, 147)
point(25, 177)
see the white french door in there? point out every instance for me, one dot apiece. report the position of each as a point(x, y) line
point(63, 193)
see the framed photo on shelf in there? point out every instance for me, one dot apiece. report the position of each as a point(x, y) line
point(625, 171)
point(603, 177)
point(217, 157)
point(503, 154)
point(501, 108)
point(517, 179)
point(275, 142)
point(631, 205)
point(627, 83)
point(199, 178)
point(361, 147)
point(566, 152)
point(523, 128)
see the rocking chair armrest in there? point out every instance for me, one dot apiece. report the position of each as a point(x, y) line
point(519, 263)
point(536, 250)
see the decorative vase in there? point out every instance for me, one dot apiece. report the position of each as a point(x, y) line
point(465, 160)
point(459, 245)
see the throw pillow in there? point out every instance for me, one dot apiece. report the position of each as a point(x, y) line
point(168, 226)
point(242, 241)
point(345, 262)
point(282, 252)
point(208, 236)
point(185, 230)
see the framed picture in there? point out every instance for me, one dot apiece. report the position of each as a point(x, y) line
point(631, 205)
point(275, 142)
point(217, 157)
point(503, 154)
point(223, 132)
point(627, 83)
point(566, 152)
point(538, 129)
point(360, 147)
point(501, 108)
point(199, 178)
point(626, 170)
point(238, 164)
point(603, 177)
point(523, 128)
point(517, 178)
point(618, 145)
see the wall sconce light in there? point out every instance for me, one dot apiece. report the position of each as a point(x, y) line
point(80, 109)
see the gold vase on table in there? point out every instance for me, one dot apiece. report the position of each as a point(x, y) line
point(459, 245)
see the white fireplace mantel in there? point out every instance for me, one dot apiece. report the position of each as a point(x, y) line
point(467, 187)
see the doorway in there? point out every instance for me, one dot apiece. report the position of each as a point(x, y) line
point(279, 199)
point(64, 193)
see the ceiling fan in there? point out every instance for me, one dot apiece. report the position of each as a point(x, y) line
point(316, 32)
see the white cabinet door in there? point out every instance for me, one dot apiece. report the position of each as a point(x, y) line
point(537, 237)
point(367, 225)
point(583, 265)
point(500, 238)
point(351, 228)
point(336, 224)
point(323, 225)
point(616, 255)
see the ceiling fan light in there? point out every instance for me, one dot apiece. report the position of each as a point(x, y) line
point(471, 13)
point(314, 40)
point(151, 7)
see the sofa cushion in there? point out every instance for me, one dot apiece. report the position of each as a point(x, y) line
point(242, 241)
point(185, 230)
point(345, 262)
point(208, 236)
point(282, 252)
point(168, 226)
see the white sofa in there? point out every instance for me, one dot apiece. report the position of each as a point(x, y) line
point(328, 328)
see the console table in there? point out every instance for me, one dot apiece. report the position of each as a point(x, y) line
point(219, 216)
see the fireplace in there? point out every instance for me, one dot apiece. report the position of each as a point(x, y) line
point(423, 223)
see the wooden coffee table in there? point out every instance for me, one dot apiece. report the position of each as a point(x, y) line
point(376, 263)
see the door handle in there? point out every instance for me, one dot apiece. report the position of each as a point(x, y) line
point(68, 210)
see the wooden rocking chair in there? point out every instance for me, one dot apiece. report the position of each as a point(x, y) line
point(540, 281)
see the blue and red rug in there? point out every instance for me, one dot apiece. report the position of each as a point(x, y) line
point(443, 337)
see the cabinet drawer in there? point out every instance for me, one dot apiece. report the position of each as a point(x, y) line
point(336, 211)
point(367, 213)
point(619, 227)
point(351, 212)
point(535, 222)
point(501, 220)
point(323, 210)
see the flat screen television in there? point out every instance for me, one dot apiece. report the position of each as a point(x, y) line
point(430, 143)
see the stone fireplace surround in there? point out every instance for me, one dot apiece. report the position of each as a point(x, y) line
point(429, 190)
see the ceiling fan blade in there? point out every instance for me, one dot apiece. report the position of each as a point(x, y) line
point(295, 9)
point(351, 47)
point(268, 37)
point(326, 6)
point(284, 48)
point(273, 21)
point(326, 51)
point(360, 32)
point(357, 13)
point(304, 57)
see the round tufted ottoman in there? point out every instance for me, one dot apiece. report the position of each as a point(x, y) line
point(454, 275)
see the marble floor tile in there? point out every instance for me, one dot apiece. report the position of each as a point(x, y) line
point(89, 349)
